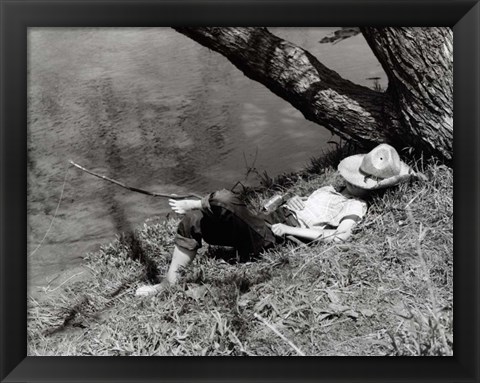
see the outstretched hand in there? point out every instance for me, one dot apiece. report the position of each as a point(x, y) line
point(280, 229)
point(182, 206)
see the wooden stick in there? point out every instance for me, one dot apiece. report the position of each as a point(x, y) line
point(260, 318)
point(134, 189)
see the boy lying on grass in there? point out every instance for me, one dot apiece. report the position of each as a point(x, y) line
point(327, 215)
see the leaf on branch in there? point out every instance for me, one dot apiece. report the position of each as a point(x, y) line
point(340, 34)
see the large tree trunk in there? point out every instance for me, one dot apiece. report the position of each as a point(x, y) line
point(419, 66)
point(415, 111)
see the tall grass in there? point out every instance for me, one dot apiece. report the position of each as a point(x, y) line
point(388, 291)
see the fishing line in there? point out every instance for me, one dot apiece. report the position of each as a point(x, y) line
point(164, 195)
point(55, 215)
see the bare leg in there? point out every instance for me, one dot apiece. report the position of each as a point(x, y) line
point(180, 258)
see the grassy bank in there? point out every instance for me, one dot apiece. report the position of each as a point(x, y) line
point(388, 291)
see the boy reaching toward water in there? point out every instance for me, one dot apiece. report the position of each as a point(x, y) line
point(326, 215)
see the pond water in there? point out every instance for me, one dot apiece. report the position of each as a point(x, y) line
point(155, 110)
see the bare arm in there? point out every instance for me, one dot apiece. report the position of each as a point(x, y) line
point(280, 229)
point(341, 233)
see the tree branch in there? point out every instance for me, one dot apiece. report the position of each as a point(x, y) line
point(351, 111)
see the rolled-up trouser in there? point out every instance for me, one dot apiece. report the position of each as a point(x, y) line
point(225, 220)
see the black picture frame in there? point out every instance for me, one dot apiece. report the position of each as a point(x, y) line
point(17, 15)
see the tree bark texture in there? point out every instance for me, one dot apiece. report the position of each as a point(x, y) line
point(419, 66)
point(415, 111)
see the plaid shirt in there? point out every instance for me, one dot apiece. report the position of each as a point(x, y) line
point(327, 207)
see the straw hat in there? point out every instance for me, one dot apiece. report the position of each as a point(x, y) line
point(377, 169)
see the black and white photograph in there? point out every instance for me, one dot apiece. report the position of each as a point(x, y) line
point(240, 191)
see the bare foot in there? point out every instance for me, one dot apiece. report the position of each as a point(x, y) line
point(147, 290)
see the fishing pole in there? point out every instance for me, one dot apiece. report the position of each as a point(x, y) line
point(134, 189)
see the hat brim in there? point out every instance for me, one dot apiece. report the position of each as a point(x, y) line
point(349, 168)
